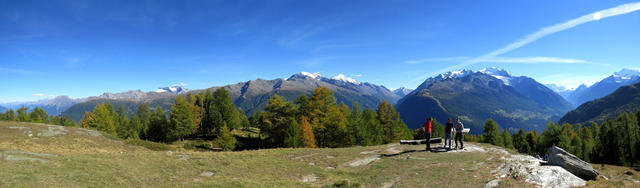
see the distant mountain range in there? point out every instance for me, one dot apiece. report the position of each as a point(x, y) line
point(604, 87)
point(2, 109)
point(52, 106)
point(252, 96)
point(402, 91)
point(624, 99)
point(585, 93)
point(60, 104)
point(474, 96)
point(561, 90)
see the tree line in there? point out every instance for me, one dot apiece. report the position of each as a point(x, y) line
point(318, 121)
point(314, 120)
point(36, 115)
point(614, 141)
point(207, 115)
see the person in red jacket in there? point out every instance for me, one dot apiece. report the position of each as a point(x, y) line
point(427, 132)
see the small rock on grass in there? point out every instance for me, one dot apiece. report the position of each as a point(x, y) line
point(604, 177)
point(309, 178)
point(492, 183)
point(184, 157)
point(206, 174)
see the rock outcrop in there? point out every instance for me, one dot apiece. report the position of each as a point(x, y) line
point(558, 157)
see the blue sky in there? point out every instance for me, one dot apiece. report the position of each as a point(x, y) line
point(84, 48)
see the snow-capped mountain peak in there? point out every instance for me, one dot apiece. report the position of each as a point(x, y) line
point(314, 75)
point(497, 73)
point(493, 71)
point(175, 89)
point(625, 75)
point(402, 91)
point(342, 77)
point(559, 88)
point(456, 74)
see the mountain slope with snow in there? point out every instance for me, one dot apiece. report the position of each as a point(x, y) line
point(623, 99)
point(402, 91)
point(175, 89)
point(474, 96)
point(252, 95)
point(561, 90)
point(604, 87)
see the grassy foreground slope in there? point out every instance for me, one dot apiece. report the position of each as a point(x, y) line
point(35, 155)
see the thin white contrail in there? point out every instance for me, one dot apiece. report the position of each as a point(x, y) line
point(618, 10)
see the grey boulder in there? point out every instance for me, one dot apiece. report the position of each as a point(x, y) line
point(558, 157)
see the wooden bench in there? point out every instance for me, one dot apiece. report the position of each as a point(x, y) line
point(423, 141)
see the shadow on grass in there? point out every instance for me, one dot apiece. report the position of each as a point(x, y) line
point(433, 150)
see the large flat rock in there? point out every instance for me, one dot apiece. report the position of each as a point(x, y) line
point(558, 157)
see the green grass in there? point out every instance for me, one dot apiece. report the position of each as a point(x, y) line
point(149, 145)
point(84, 160)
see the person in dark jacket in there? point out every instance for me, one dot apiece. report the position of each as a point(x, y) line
point(459, 135)
point(427, 132)
point(447, 133)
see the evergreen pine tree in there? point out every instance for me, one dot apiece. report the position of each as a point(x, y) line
point(523, 144)
point(122, 123)
point(157, 125)
point(84, 123)
point(181, 119)
point(38, 115)
point(226, 110)
point(321, 100)
point(225, 139)
point(293, 134)
point(354, 119)
point(370, 131)
point(506, 137)
point(564, 138)
point(134, 126)
point(144, 114)
point(303, 105)
point(492, 133)
point(22, 114)
point(576, 147)
point(551, 136)
point(393, 127)
point(281, 114)
point(437, 129)
point(11, 115)
point(335, 128)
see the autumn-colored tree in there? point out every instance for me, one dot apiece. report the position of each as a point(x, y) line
point(308, 138)
point(321, 100)
point(103, 118)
